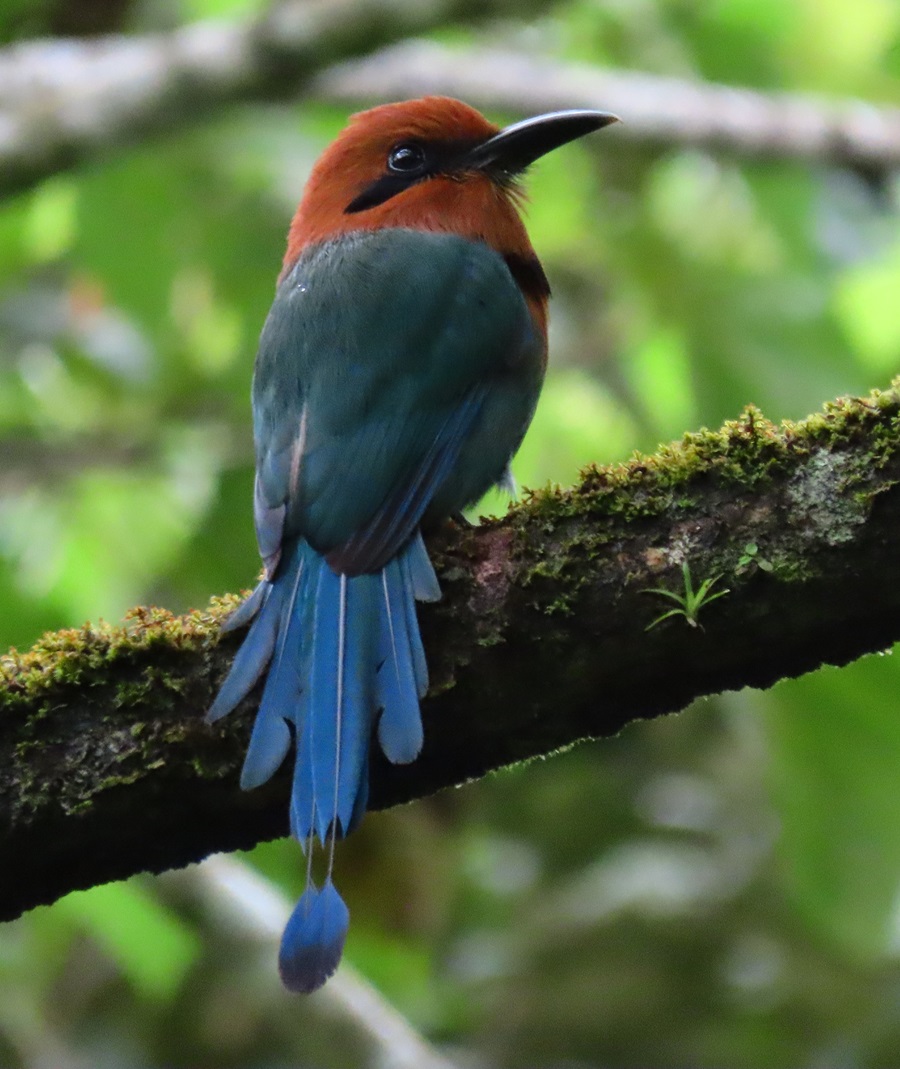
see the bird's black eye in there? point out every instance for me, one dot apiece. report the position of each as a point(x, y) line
point(406, 158)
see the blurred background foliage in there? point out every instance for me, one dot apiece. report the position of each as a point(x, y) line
point(717, 888)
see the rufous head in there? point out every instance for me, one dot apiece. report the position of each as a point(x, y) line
point(429, 164)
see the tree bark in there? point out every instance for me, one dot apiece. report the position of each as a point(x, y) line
point(107, 767)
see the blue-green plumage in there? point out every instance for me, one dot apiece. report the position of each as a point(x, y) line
point(385, 354)
point(397, 373)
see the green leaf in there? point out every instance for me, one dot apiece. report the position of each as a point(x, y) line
point(835, 770)
point(401, 968)
point(660, 372)
point(212, 9)
point(51, 225)
point(866, 303)
point(148, 942)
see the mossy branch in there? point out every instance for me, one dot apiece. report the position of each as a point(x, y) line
point(107, 767)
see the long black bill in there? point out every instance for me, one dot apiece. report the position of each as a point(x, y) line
point(519, 145)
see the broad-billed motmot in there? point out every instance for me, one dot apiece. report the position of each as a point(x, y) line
point(398, 371)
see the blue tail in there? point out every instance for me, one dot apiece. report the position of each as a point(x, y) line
point(313, 939)
point(338, 650)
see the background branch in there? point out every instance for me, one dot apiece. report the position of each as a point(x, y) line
point(263, 909)
point(63, 101)
point(656, 109)
point(107, 768)
point(66, 101)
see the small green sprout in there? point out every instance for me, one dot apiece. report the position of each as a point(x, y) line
point(750, 551)
point(751, 557)
point(690, 602)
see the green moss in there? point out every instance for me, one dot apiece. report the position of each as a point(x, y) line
point(70, 657)
point(823, 465)
point(747, 452)
point(109, 782)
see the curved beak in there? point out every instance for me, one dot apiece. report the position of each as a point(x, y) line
point(519, 145)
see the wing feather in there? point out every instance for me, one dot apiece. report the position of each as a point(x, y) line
point(381, 358)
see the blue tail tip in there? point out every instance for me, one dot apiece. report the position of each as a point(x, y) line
point(313, 939)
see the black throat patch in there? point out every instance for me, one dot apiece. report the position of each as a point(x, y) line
point(529, 275)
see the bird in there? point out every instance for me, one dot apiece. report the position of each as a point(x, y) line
point(397, 372)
